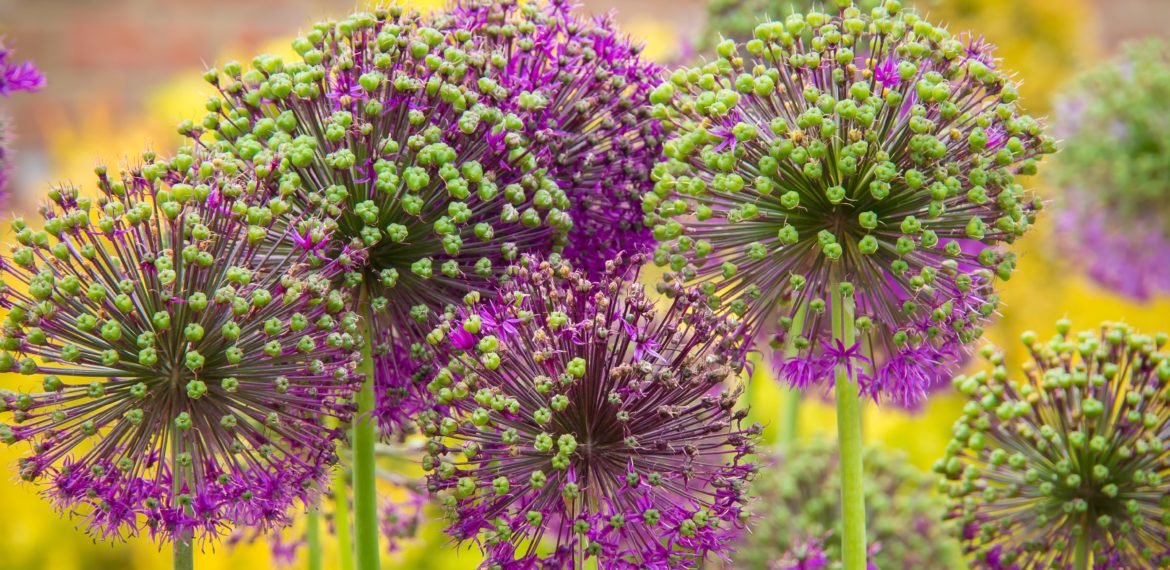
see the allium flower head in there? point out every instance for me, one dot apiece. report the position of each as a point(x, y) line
point(189, 355)
point(798, 513)
point(806, 163)
point(407, 134)
point(599, 432)
point(584, 91)
point(1070, 455)
point(1113, 215)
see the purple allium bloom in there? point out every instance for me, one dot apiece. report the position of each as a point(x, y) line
point(400, 519)
point(807, 554)
point(1074, 447)
point(790, 174)
point(18, 77)
point(560, 447)
point(1113, 218)
point(404, 130)
point(584, 90)
point(22, 77)
point(190, 358)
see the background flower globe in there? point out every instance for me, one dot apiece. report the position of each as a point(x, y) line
point(1064, 466)
point(798, 496)
point(192, 354)
point(585, 428)
point(1112, 214)
point(584, 88)
point(851, 155)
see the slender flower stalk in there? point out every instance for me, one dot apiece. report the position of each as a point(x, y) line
point(1065, 466)
point(1113, 220)
point(589, 430)
point(190, 353)
point(867, 158)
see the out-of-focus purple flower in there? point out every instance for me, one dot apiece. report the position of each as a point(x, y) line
point(1067, 456)
point(400, 519)
point(564, 433)
point(1113, 221)
point(15, 77)
point(862, 193)
point(191, 358)
point(584, 87)
point(806, 554)
point(1128, 257)
point(21, 77)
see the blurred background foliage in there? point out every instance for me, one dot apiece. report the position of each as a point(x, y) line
point(123, 73)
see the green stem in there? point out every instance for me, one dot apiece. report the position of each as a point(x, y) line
point(790, 421)
point(849, 439)
point(1083, 559)
point(184, 554)
point(184, 547)
point(313, 538)
point(365, 492)
point(341, 519)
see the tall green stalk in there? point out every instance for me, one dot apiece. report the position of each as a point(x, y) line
point(184, 547)
point(1083, 559)
point(365, 492)
point(341, 520)
point(848, 395)
point(789, 423)
point(313, 539)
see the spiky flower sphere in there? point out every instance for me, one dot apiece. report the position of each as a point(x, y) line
point(585, 429)
point(847, 152)
point(407, 134)
point(800, 497)
point(585, 91)
point(1113, 216)
point(190, 352)
point(1068, 462)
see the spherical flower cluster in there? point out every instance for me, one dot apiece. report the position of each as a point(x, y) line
point(582, 428)
point(1066, 467)
point(1113, 216)
point(585, 91)
point(406, 132)
point(190, 351)
point(798, 513)
point(847, 152)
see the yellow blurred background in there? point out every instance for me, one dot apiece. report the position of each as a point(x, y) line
point(123, 73)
